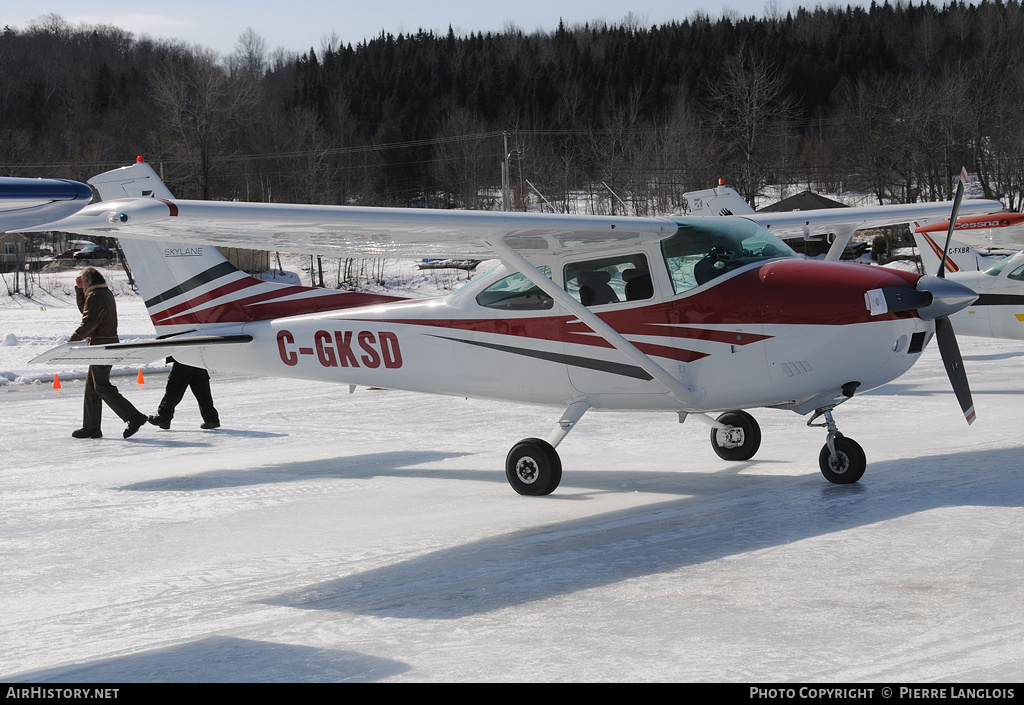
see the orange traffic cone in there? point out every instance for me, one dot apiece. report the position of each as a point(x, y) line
point(140, 380)
point(56, 381)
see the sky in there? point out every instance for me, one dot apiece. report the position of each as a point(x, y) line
point(306, 23)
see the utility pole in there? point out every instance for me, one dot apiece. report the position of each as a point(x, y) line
point(506, 189)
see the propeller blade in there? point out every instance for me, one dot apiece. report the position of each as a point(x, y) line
point(954, 363)
point(897, 299)
point(961, 185)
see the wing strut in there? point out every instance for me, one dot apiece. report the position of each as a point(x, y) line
point(843, 237)
point(689, 396)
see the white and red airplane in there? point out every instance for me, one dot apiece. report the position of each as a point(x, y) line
point(688, 315)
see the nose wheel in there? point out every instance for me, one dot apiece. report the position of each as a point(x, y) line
point(841, 460)
point(846, 465)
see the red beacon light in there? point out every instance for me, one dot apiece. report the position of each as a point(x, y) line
point(139, 159)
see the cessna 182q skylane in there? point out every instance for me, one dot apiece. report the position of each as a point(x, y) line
point(689, 315)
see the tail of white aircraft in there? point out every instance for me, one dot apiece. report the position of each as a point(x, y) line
point(194, 287)
point(959, 257)
point(715, 201)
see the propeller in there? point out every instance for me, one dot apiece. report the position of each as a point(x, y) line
point(948, 348)
point(936, 299)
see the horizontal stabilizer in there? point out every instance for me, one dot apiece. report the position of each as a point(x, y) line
point(135, 353)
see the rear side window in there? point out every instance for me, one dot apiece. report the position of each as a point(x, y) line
point(609, 280)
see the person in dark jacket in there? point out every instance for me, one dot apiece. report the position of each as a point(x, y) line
point(99, 327)
point(182, 377)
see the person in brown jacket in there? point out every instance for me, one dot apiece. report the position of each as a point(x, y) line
point(99, 327)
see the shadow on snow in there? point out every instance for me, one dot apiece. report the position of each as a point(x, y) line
point(724, 515)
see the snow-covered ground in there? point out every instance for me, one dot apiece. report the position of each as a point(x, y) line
point(323, 536)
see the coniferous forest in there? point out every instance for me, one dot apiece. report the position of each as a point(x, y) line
point(889, 100)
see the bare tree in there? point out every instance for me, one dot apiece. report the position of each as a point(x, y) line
point(314, 172)
point(750, 111)
point(201, 104)
point(462, 162)
point(250, 56)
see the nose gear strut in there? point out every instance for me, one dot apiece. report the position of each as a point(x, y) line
point(841, 460)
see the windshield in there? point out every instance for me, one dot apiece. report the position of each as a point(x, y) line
point(996, 268)
point(704, 248)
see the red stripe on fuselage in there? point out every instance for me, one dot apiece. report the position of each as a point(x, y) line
point(556, 328)
point(786, 292)
point(262, 306)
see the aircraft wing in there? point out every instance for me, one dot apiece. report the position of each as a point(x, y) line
point(842, 221)
point(347, 231)
point(1004, 230)
point(29, 203)
point(134, 353)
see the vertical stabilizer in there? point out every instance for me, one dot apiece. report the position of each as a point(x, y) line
point(715, 201)
point(959, 257)
point(190, 287)
point(135, 181)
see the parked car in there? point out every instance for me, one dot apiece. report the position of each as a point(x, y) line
point(67, 254)
point(95, 252)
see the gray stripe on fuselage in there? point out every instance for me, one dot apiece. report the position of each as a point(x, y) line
point(615, 368)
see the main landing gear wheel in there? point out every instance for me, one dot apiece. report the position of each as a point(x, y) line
point(741, 440)
point(533, 467)
point(848, 464)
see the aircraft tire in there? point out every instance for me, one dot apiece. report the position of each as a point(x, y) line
point(533, 467)
point(742, 448)
point(849, 465)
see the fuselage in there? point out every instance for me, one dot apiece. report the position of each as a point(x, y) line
point(999, 310)
point(741, 320)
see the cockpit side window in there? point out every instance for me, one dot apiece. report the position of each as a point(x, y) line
point(1017, 274)
point(701, 251)
point(516, 293)
point(609, 280)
